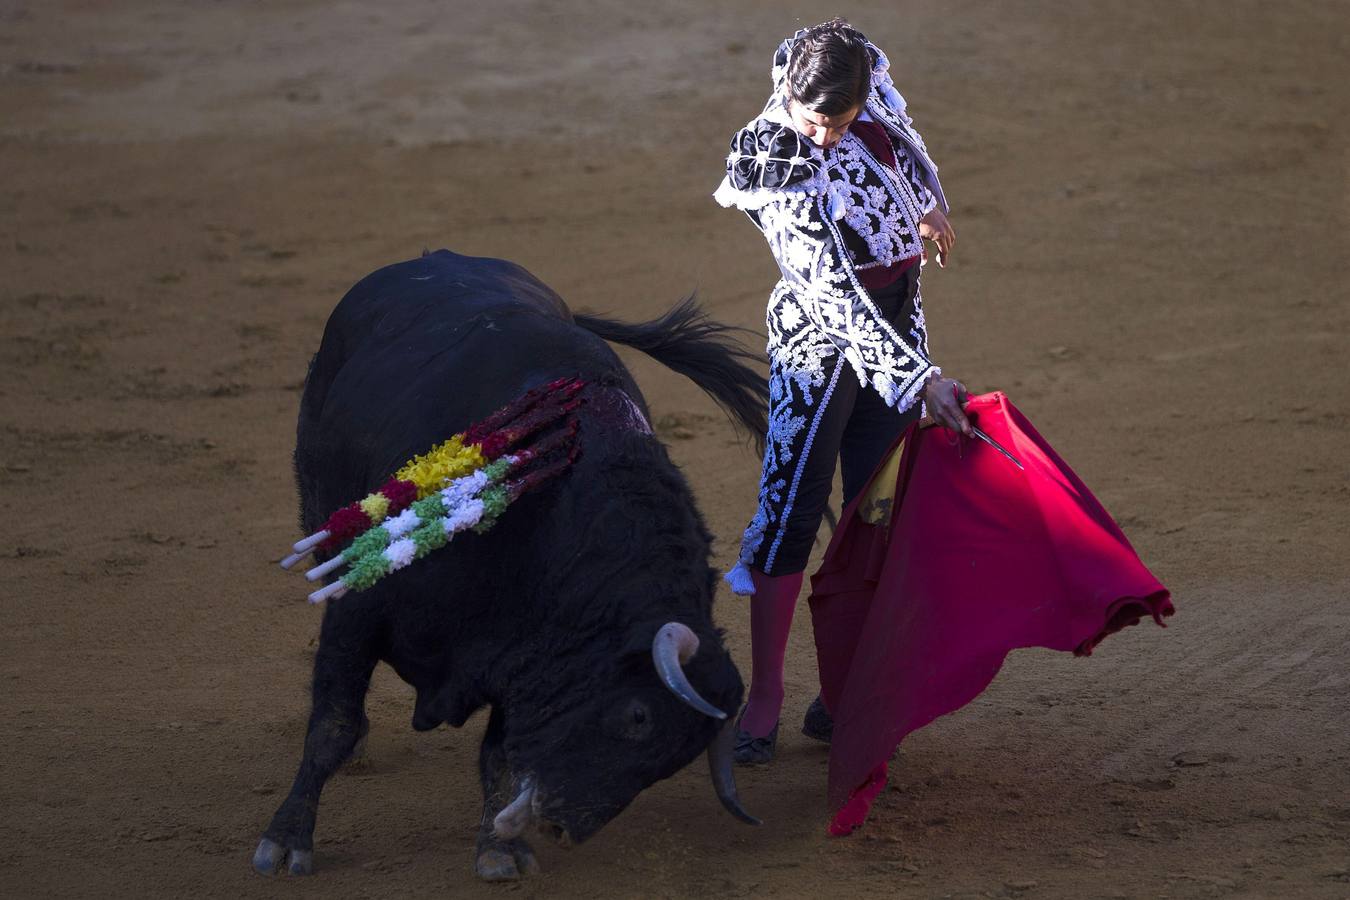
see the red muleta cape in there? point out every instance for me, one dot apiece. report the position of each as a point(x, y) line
point(972, 558)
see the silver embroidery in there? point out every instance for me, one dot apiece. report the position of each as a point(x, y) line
point(836, 313)
point(875, 204)
point(797, 473)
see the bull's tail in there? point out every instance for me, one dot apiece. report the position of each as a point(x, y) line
point(687, 341)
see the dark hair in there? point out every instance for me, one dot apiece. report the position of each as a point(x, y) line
point(831, 69)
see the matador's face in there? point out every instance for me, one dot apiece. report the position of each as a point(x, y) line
point(822, 130)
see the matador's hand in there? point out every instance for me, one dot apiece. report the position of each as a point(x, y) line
point(935, 227)
point(944, 397)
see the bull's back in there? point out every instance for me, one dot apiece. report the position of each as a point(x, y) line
point(391, 300)
point(416, 352)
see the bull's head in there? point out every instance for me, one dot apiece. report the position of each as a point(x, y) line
point(583, 759)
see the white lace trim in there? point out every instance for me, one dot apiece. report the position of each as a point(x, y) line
point(728, 195)
point(917, 388)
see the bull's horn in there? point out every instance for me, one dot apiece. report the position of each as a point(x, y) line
point(673, 645)
point(719, 764)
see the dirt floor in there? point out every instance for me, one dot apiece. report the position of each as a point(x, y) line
point(1152, 207)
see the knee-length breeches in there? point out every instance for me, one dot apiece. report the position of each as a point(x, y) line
point(814, 420)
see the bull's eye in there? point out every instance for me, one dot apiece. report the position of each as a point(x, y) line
point(636, 720)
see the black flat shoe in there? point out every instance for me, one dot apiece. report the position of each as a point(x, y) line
point(817, 723)
point(754, 751)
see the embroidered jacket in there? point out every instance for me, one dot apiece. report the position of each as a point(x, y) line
point(818, 210)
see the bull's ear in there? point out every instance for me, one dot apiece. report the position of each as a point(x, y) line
point(638, 640)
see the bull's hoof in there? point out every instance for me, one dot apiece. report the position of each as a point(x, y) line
point(358, 763)
point(505, 861)
point(270, 858)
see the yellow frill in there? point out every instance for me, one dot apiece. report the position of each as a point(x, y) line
point(431, 470)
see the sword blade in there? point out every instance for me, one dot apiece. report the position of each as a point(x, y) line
point(996, 445)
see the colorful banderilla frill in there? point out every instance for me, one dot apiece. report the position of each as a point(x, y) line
point(463, 483)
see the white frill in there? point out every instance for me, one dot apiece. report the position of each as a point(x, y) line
point(728, 195)
point(740, 580)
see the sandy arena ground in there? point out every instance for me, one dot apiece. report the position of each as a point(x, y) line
point(1152, 206)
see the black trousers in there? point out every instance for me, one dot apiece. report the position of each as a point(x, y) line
point(845, 421)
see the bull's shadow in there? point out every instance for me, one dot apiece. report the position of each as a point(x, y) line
point(583, 618)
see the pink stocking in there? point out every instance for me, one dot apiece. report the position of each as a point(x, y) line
point(771, 609)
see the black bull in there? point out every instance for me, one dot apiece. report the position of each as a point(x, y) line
point(553, 617)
